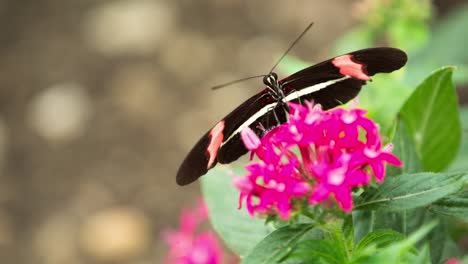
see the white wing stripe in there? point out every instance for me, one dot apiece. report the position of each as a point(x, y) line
point(311, 89)
point(252, 119)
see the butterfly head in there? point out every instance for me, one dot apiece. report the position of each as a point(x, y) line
point(271, 80)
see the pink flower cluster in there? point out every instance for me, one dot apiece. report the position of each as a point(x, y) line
point(188, 247)
point(452, 261)
point(337, 150)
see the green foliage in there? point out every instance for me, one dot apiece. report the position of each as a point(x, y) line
point(402, 22)
point(428, 121)
point(453, 205)
point(400, 251)
point(447, 46)
point(316, 251)
point(277, 245)
point(380, 246)
point(378, 238)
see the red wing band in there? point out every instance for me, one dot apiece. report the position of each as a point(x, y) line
point(350, 68)
point(216, 138)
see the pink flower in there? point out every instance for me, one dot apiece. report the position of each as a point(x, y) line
point(337, 179)
point(263, 148)
point(337, 151)
point(452, 261)
point(270, 187)
point(186, 246)
point(376, 157)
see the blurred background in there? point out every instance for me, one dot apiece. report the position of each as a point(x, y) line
point(101, 100)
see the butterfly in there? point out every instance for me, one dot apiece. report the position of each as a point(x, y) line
point(330, 83)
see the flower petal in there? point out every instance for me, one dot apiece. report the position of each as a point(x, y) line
point(319, 194)
point(344, 199)
point(379, 170)
point(391, 159)
point(250, 139)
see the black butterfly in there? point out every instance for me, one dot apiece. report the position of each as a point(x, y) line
point(329, 83)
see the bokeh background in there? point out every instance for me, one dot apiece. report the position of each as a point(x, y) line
point(101, 100)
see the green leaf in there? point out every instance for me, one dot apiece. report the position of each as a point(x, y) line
point(397, 252)
point(405, 149)
point(431, 114)
point(277, 245)
point(336, 236)
point(410, 191)
point(237, 228)
point(363, 222)
point(378, 238)
point(332, 248)
point(423, 257)
point(348, 231)
point(455, 205)
point(316, 251)
point(404, 222)
point(415, 218)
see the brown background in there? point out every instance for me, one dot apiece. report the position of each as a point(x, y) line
point(100, 100)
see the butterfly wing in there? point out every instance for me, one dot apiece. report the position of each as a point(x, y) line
point(222, 142)
point(267, 117)
point(338, 80)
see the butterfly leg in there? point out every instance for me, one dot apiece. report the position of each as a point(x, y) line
point(298, 97)
point(284, 106)
point(276, 117)
point(267, 121)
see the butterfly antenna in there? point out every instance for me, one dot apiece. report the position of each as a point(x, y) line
point(276, 64)
point(292, 45)
point(235, 81)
